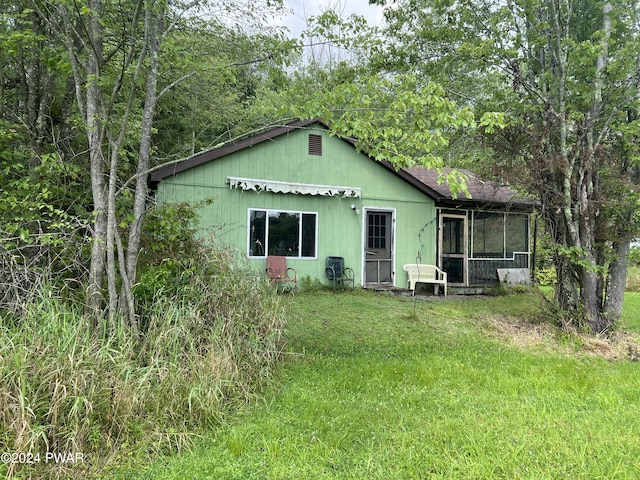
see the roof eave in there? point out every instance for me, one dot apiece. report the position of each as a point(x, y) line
point(486, 205)
point(212, 154)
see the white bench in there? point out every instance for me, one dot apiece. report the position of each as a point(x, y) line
point(420, 273)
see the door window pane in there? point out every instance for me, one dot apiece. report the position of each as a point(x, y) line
point(455, 269)
point(377, 237)
point(453, 235)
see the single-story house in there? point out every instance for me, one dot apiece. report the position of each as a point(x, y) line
point(297, 191)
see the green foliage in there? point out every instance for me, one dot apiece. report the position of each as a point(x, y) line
point(565, 77)
point(67, 388)
point(308, 284)
point(546, 276)
point(225, 72)
point(398, 115)
point(170, 252)
point(42, 219)
point(35, 196)
point(399, 119)
point(169, 232)
point(209, 75)
point(489, 121)
point(578, 257)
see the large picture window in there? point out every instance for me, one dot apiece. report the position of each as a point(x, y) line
point(290, 234)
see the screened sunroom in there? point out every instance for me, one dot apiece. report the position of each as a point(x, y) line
point(474, 244)
point(479, 234)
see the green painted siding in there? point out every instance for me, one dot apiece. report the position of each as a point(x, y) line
point(340, 229)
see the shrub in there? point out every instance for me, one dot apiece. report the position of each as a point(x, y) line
point(210, 337)
point(546, 276)
point(169, 232)
point(44, 223)
point(309, 284)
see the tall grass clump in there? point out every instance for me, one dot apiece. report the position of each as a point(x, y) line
point(633, 279)
point(210, 337)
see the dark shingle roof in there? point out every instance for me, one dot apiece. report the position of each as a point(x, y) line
point(482, 192)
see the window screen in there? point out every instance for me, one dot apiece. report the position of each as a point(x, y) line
point(488, 234)
point(498, 235)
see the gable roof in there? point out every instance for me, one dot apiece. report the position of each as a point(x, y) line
point(212, 154)
point(424, 179)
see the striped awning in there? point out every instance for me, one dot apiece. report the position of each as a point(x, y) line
point(259, 185)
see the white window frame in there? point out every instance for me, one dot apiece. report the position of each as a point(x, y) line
point(266, 233)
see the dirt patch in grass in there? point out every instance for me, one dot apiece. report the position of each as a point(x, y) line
point(546, 337)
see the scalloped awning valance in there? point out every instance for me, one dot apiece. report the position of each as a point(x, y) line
point(258, 185)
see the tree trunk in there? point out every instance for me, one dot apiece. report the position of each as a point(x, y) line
point(617, 281)
point(566, 292)
point(112, 226)
point(591, 304)
point(96, 160)
point(576, 189)
point(153, 21)
point(590, 288)
point(84, 38)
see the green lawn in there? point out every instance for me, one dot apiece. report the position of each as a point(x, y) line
point(631, 312)
point(372, 389)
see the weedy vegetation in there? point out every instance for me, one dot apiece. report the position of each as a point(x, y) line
point(633, 279)
point(210, 338)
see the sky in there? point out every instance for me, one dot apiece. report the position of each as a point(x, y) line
point(302, 9)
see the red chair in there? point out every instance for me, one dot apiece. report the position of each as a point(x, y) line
point(277, 272)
